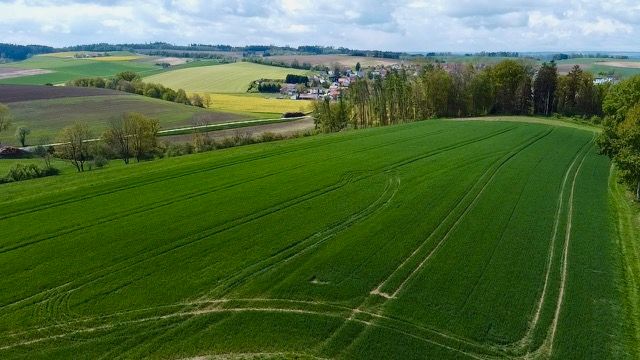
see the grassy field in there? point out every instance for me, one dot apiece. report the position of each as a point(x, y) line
point(47, 117)
point(439, 239)
point(227, 78)
point(65, 69)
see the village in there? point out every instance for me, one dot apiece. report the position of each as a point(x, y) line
point(331, 83)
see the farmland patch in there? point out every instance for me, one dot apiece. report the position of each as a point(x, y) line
point(279, 248)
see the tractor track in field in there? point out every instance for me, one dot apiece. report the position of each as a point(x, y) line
point(133, 185)
point(199, 236)
point(388, 168)
point(546, 349)
point(178, 199)
point(395, 165)
point(297, 249)
point(206, 307)
point(490, 173)
point(523, 343)
point(128, 185)
point(146, 256)
point(377, 291)
point(500, 240)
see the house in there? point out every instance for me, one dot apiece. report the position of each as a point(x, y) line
point(605, 80)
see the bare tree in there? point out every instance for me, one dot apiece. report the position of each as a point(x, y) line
point(43, 151)
point(5, 117)
point(21, 135)
point(74, 144)
point(144, 133)
point(118, 137)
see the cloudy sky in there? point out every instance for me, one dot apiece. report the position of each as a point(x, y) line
point(400, 25)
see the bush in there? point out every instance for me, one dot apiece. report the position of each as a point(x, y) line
point(22, 172)
point(100, 161)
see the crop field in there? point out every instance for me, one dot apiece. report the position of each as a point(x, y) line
point(46, 117)
point(620, 68)
point(257, 105)
point(15, 93)
point(226, 78)
point(63, 69)
point(438, 239)
point(328, 60)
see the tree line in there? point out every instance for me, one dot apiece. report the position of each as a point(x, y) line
point(620, 138)
point(510, 87)
point(131, 82)
point(22, 52)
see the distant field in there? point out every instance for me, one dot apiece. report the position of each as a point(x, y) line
point(48, 117)
point(260, 105)
point(438, 240)
point(620, 68)
point(226, 78)
point(15, 93)
point(329, 60)
point(62, 69)
point(9, 72)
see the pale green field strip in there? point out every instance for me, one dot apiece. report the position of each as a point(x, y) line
point(439, 239)
point(227, 78)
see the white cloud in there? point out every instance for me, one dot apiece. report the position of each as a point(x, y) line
point(411, 25)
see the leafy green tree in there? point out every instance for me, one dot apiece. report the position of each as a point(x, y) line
point(544, 89)
point(127, 76)
point(196, 100)
point(511, 80)
point(181, 97)
point(21, 134)
point(621, 142)
point(482, 93)
point(329, 116)
point(620, 138)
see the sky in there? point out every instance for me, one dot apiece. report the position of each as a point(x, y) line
point(394, 25)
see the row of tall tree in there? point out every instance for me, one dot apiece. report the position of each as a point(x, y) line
point(509, 87)
point(620, 138)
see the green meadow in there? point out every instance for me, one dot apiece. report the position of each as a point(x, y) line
point(437, 239)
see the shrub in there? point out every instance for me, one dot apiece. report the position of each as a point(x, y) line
point(100, 161)
point(22, 172)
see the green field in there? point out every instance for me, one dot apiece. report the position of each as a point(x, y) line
point(227, 78)
point(65, 69)
point(47, 117)
point(439, 239)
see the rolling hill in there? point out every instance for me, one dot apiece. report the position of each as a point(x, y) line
point(438, 239)
point(60, 69)
point(227, 78)
point(46, 110)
